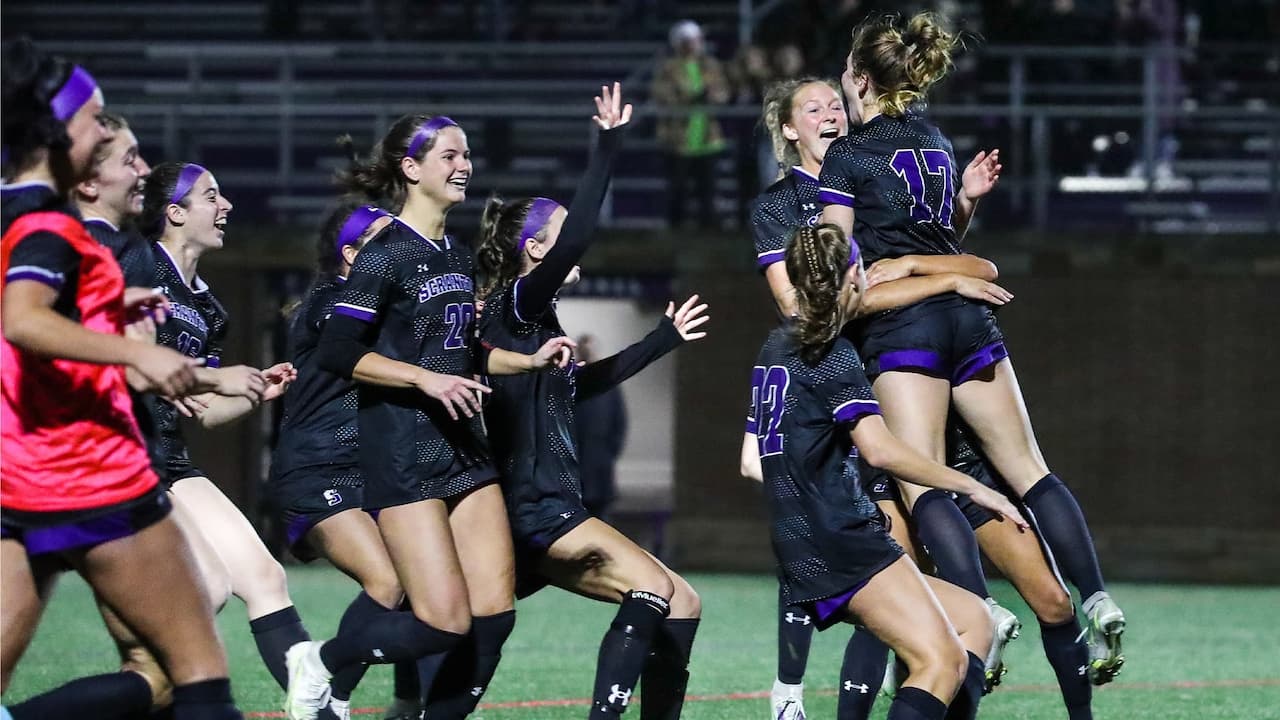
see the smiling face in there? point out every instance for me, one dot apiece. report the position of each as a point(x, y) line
point(445, 170)
point(120, 176)
point(202, 216)
point(817, 119)
point(87, 132)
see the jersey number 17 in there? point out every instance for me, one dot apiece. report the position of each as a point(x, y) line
point(912, 165)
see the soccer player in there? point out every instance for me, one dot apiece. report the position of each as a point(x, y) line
point(891, 183)
point(529, 250)
point(811, 408)
point(315, 480)
point(803, 117)
point(78, 491)
point(403, 330)
point(184, 213)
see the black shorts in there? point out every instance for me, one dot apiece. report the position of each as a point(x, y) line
point(384, 490)
point(534, 528)
point(58, 532)
point(980, 471)
point(877, 483)
point(948, 337)
point(307, 496)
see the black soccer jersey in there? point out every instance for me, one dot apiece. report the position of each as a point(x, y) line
point(826, 533)
point(42, 256)
point(319, 424)
point(899, 176)
point(790, 203)
point(132, 251)
point(417, 296)
point(196, 327)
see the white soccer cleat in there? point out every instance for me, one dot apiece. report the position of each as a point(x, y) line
point(308, 682)
point(788, 701)
point(341, 709)
point(1005, 628)
point(895, 673)
point(1104, 624)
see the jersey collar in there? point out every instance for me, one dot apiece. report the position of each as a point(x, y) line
point(196, 284)
point(803, 175)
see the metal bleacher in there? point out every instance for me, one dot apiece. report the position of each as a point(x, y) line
point(1089, 134)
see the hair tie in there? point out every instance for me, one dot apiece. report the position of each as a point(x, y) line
point(357, 223)
point(426, 131)
point(539, 212)
point(186, 180)
point(75, 92)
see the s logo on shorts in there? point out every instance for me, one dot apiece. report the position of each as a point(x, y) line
point(332, 497)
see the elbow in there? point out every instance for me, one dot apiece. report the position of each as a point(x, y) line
point(989, 271)
point(877, 454)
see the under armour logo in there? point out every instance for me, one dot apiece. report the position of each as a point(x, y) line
point(809, 206)
point(793, 618)
point(619, 696)
point(422, 267)
point(477, 691)
point(566, 515)
point(1083, 670)
point(850, 687)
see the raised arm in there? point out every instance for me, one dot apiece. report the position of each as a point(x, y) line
point(674, 329)
point(537, 289)
point(979, 178)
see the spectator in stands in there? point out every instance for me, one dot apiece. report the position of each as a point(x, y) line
point(602, 433)
point(750, 73)
point(689, 85)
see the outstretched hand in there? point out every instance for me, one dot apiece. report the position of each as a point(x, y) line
point(557, 352)
point(610, 112)
point(688, 317)
point(981, 175)
point(278, 378)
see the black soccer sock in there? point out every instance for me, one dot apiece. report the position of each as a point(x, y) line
point(113, 696)
point(274, 634)
point(623, 652)
point(405, 679)
point(359, 612)
point(912, 703)
point(950, 541)
point(390, 637)
point(665, 677)
point(865, 659)
point(1068, 656)
point(466, 673)
point(1061, 523)
point(795, 634)
point(965, 704)
point(205, 700)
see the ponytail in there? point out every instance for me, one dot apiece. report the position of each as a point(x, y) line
point(498, 251)
point(377, 178)
point(903, 63)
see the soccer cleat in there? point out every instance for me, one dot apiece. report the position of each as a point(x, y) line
point(1104, 624)
point(788, 701)
point(402, 709)
point(1005, 628)
point(308, 690)
point(895, 673)
point(341, 709)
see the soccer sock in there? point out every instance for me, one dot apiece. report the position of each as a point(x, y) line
point(1061, 523)
point(947, 536)
point(390, 637)
point(361, 609)
point(466, 673)
point(113, 696)
point(666, 672)
point(205, 700)
point(405, 676)
point(795, 634)
point(1068, 657)
point(275, 633)
point(912, 703)
point(965, 704)
point(623, 652)
point(865, 659)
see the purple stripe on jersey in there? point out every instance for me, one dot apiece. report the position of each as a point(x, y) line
point(80, 86)
point(979, 361)
point(425, 132)
point(359, 313)
point(753, 426)
point(855, 410)
point(920, 359)
point(39, 274)
point(827, 608)
point(187, 178)
point(831, 196)
point(766, 259)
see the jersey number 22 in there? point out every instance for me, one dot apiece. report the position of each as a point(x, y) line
point(769, 401)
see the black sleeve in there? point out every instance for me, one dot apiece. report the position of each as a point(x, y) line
point(342, 343)
point(597, 377)
point(44, 257)
point(536, 290)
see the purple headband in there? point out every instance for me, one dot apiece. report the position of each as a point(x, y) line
point(539, 212)
point(191, 172)
point(356, 225)
point(855, 252)
point(427, 131)
point(75, 92)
